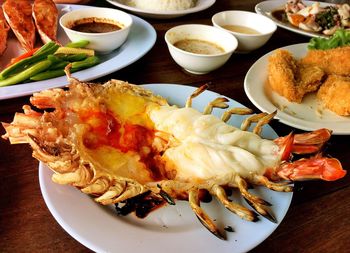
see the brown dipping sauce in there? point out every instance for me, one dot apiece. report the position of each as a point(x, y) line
point(280, 15)
point(199, 46)
point(95, 25)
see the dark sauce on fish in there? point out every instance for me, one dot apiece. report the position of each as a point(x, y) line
point(280, 15)
point(95, 25)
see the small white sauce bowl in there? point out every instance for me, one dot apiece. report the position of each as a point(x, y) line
point(200, 63)
point(101, 42)
point(246, 42)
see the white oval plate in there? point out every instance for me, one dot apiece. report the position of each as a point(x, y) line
point(141, 39)
point(309, 115)
point(201, 5)
point(265, 8)
point(172, 229)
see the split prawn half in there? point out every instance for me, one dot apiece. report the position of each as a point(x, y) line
point(125, 145)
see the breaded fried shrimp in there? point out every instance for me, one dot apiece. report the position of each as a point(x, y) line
point(335, 94)
point(332, 61)
point(291, 79)
point(282, 72)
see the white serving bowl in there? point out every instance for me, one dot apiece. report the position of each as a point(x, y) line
point(200, 63)
point(100, 42)
point(246, 42)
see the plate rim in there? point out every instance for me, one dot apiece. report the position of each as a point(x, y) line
point(279, 3)
point(226, 246)
point(261, 104)
point(14, 91)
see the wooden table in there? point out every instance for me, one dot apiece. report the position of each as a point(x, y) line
point(317, 220)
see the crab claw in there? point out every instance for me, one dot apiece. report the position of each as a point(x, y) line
point(317, 167)
point(306, 143)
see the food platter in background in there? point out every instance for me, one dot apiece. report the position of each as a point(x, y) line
point(141, 39)
point(309, 115)
point(200, 6)
point(266, 8)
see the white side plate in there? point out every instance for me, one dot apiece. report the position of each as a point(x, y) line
point(309, 115)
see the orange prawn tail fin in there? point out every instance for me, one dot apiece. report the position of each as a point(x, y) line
point(317, 167)
point(305, 143)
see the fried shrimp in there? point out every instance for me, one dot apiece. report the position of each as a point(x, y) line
point(291, 79)
point(18, 14)
point(4, 29)
point(334, 94)
point(332, 61)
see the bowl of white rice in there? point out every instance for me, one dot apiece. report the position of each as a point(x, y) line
point(162, 9)
point(162, 5)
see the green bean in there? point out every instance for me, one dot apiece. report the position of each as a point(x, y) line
point(54, 59)
point(59, 65)
point(45, 47)
point(49, 48)
point(78, 44)
point(47, 75)
point(88, 62)
point(27, 73)
point(72, 57)
point(76, 66)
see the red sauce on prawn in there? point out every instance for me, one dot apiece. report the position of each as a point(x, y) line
point(105, 130)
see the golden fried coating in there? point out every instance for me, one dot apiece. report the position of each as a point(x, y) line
point(45, 15)
point(291, 79)
point(335, 94)
point(18, 14)
point(332, 61)
point(4, 29)
point(310, 78)
point(282, 69)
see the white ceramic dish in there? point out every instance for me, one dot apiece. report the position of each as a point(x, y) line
point(141, 39)
point(309, 115)
point(172, 229)
point(246, 42)
point(100, 42)
point(266, 7)
point(200, 63)
point(201, 5)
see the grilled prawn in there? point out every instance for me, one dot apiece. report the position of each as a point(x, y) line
point(45, 15)
point(121, 143)
point(4, 29)
point(18, 14)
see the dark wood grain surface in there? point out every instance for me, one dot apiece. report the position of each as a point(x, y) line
point(317, 220)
